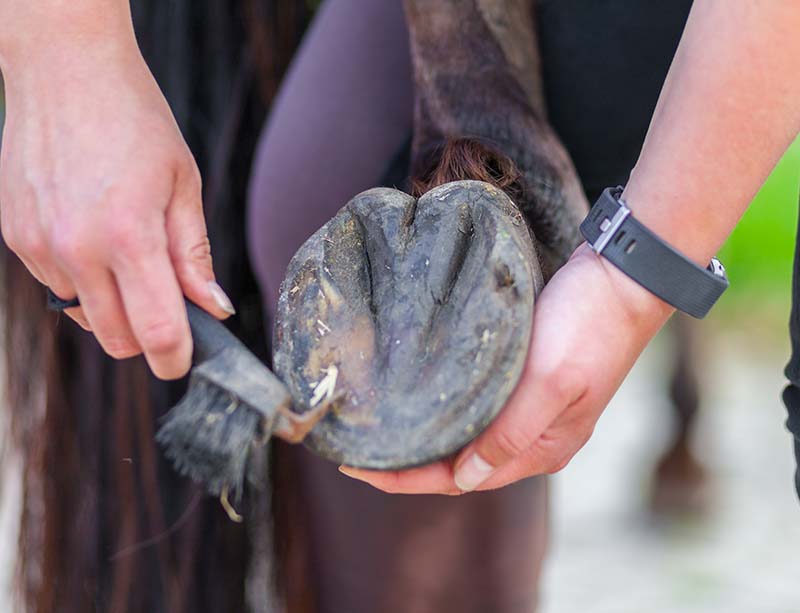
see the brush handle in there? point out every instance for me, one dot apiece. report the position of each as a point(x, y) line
point(209, 335)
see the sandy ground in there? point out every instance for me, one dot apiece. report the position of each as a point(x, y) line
point(607, 556)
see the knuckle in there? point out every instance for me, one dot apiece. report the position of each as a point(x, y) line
point(161, 338)
point(33, 245)
point(11, 239)
point(511, 443)
point(127, 237)
point(25, 239)
point(200, 252)
point(562, 383)
point(132, 242)
point(70, 248)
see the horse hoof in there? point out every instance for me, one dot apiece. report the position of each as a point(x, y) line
point(412, 318)
point(681, 485)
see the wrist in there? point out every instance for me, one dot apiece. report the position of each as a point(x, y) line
point(644, 256)
point(638, 303)
point(44, 36)
point(690, 223)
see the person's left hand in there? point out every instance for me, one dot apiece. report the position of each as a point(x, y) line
point(590, 324)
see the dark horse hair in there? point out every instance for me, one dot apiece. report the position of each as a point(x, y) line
point(106, 525)
point(463, 158)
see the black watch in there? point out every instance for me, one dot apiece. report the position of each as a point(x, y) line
point(615, 234)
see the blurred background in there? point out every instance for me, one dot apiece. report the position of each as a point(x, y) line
point(725, 536)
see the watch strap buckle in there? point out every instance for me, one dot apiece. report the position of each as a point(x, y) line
point(649, 260)
point(609, 227)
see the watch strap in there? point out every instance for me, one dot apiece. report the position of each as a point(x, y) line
point(619, 237)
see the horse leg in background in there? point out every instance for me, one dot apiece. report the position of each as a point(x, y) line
point(344, 111)
point(680, 482)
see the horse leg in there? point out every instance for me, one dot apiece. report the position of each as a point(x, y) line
point(680, 482)
point(344, 110)
point(478, 78)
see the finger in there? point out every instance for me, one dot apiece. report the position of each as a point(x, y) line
point(35, 258)
point(434, 478)
point(74, 313)
point(77, 315)
point(155, 308)
point(33, 269)
point(104, 312)
point(190, 249)
point(60, 284)
point(538, 399)
point(29, 247)
point(547, 456)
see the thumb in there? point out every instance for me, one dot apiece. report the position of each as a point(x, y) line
point(534, 404)
point(190, 251)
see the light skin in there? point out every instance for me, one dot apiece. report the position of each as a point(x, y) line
point(100, 197)
point(99, 194)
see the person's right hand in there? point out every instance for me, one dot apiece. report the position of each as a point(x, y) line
point(101, 198)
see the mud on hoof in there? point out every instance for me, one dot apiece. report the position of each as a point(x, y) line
point(414, 316)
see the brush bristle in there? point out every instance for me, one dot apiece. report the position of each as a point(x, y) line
point(208, 436)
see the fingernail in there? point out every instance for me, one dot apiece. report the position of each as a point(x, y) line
point(221, 298)
point(472, 473)
point(345, 471)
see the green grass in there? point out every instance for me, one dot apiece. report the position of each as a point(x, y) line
point(759, 254)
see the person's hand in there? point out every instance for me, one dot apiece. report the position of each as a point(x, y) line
point(100, 196)
point(590, 324)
